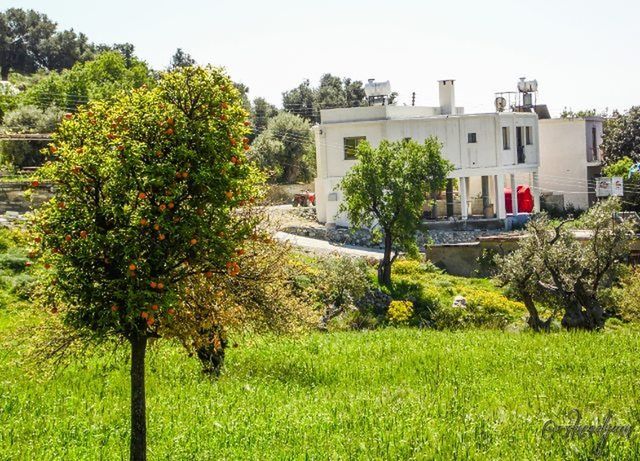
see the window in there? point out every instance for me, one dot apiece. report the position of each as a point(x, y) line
point(506, 142)
point(472, 138)
point(594, 145)
point(350, 146)
point(528, 135)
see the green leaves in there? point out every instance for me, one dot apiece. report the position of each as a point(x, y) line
point(389, 185)
point(151, 186)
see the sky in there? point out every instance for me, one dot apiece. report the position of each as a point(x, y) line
point(583, 53)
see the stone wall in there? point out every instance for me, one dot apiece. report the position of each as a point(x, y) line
point(17, 198)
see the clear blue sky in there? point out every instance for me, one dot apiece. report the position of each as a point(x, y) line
point(584, 53)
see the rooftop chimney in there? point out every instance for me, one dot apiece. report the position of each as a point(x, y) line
point(447, 97)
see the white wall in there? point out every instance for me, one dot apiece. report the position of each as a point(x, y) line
point(485, 157)
point(564, 145)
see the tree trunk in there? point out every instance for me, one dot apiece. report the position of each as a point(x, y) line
point(384, 268)
point(138, 448)
point(534, 320)
point(4, 72)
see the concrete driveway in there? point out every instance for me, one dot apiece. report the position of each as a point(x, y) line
point(322, 246)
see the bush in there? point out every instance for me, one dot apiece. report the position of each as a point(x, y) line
point(622, 300)
point(400, 312)
point(27, 119)
point(485, 309)
point(413, 267)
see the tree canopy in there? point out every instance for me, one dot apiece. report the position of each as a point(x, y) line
point(621, 137)
point(30, 41)
point(181, 59)
point(332, 91)
point(286, 149)
point(101, 78)
point(388, 188)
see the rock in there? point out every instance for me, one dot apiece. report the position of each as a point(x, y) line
point(374, 300)
point(459, 301)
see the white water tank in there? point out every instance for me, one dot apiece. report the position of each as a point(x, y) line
point(527, 86)
point(375, 89)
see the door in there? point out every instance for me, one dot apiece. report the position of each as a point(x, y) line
point(520, 144)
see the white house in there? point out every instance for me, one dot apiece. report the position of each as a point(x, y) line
point(487, 149)
point(570, 159)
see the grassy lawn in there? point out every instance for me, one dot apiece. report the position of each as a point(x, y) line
point(388, 394)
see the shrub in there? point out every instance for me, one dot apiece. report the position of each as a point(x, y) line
point(27, 119)
point(400, 312)
point(623, 299)
point(485, 309)
point(426, 298)
point(413, 267)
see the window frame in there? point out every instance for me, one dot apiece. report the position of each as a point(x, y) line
point(346, 139)
point(528, 136)
point(506, 138)
point(472, 138)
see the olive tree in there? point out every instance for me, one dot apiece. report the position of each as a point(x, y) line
point(389, 187)
point(555, 266)
point(150, 190)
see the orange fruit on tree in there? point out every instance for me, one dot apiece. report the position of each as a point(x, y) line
point(47, 266)
point(160, 286)
point(208, 274)
point(185, 174)
point(144, 315)
point(35, 183)
point(67, 238)
point(193, 241)
point(162, 207)
point(171, 205)
point(156, 227)
point(153, 285)
point(161, 237)
point(132, 267)
point(61, 205)
point(120, 147)
point(114, 308)
point(240, 252)
point(144, 222)
point(142, 196)
point(68, 116)
point(37, 239)
point(83, 234)
point(229, 194)
point(151, 320)
point(169, 131)
point(154, 307)
point(53, 149)
point(171, 311)
point(234, 159)
point(170, 121)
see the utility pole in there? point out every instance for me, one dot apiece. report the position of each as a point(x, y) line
point(413, 98)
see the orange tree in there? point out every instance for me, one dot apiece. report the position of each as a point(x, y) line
point(150, 189)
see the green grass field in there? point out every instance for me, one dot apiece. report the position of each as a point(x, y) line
point(388, 394)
